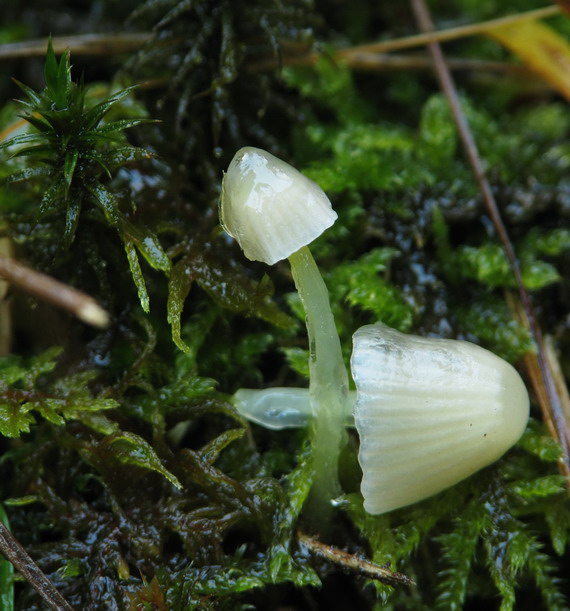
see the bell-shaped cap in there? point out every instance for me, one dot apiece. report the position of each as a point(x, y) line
point(270, 208)
point(429, 413)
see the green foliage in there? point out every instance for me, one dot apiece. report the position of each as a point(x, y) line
point(509, 546)
point(490, 320)
point(360, 284)
point(170, 499)
point(212, 43)
point(24, 390)
point(488, 264)
point(130, 449)
point(239, 574)
point(225, 284)
point(298, 360)
point(68, 150)
point(282, 565)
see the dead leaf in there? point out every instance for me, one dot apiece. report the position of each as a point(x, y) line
point(541, 48)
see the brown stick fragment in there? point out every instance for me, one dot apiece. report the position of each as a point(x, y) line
point(558, 375)
point(83, 44)
point(552, 409)
point(349, 55)
point(17, 555)
point(371, 61)
point(353, 563)
point(434, 36)
point(52, 290)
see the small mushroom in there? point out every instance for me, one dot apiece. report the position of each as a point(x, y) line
point(274, 212)
point(270, 208)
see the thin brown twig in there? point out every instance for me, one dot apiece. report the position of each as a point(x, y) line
point(532, 366)
point(21, 560)
point(558, 376)
point(366, 60)
point(462, 31)
point(6, 250)
point(52, 290)
point(354, 563)
point(82, 44)
point(556, 414)
point(295, 56)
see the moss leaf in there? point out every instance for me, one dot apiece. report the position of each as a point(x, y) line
point(131, 449)
point(15, 418)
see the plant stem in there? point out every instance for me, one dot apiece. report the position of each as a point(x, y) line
point(18, 556)
point(54, 291)
point(354, 562)
point(328, 388)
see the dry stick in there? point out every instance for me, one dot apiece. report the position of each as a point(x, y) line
point(384, 61)
point(532, 367)
point(558, 376)
point(85, 44)
point(54, 291)
point(446, 83)
point(430, 35)
point(365, 60)
point(104, 44)
point(354, 563)
point(417, 40)
point(18, 556)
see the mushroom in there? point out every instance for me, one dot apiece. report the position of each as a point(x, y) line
point(429, 412)
point(274, 212)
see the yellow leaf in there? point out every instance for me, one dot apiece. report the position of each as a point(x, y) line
point(541, 48)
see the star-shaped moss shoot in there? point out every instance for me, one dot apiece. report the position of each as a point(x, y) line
point(274, 212)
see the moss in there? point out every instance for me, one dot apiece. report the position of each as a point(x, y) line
point(126, 472)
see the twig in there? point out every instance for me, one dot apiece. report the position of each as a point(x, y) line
point(554, 407)
point(52, 290)
point(292, 56)
point(384, 61)
point(434, 36)
point(18, 556)
point(106, 44)
point(367, 60)
point(6, 250)
point(354, 563)
point(558, 376)
point(532, 366)
point(86, 44)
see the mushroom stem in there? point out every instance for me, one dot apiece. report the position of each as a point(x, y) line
point(328, 388)
point(279, 408)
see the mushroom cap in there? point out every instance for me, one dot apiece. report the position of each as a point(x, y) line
point(429, 413)
point(270, 208)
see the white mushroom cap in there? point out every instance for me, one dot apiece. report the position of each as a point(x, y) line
point(270, 208)
point(429, 412)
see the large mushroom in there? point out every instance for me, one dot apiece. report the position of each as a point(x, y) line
point(429, 412)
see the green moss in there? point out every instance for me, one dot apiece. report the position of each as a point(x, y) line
point(130, 477)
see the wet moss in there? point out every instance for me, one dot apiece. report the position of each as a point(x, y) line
point(125, 470)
